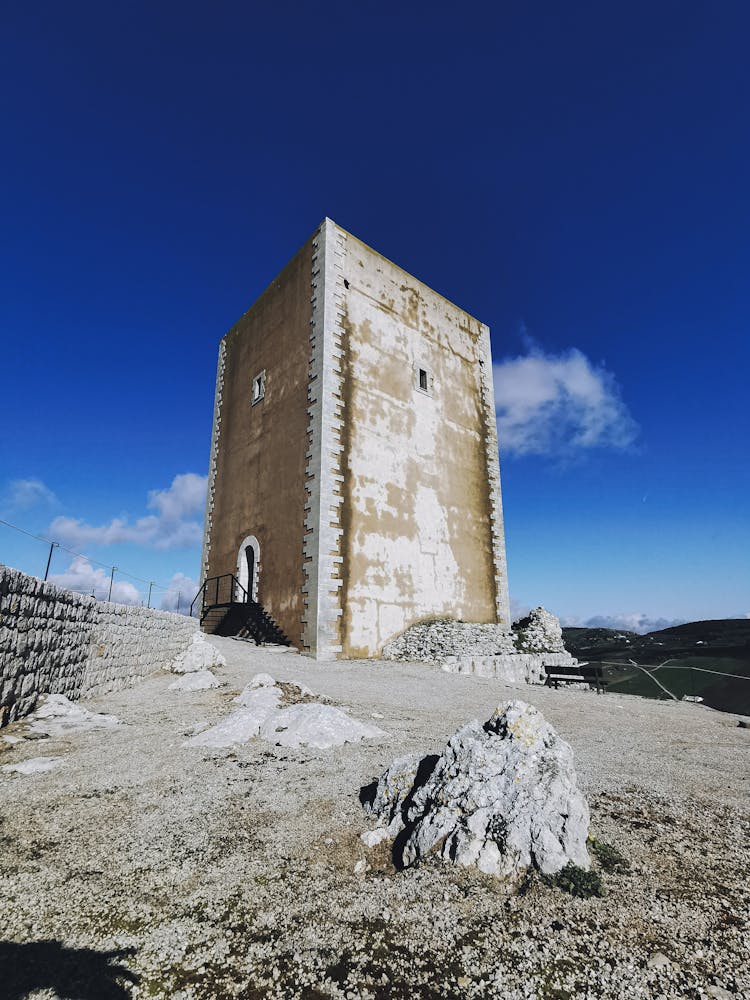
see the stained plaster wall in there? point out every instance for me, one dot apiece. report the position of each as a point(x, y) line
point(421, 515)
point(258, 460)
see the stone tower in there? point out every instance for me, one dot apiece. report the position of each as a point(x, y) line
point(354, 482)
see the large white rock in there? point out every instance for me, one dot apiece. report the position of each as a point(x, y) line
point(242, 724)
point(502, 796)
point(200, 655)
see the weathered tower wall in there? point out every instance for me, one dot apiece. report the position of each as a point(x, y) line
point(368, 473)
point(423, 534)
point(257, 470)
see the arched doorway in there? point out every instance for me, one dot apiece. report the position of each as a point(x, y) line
point(248, 564)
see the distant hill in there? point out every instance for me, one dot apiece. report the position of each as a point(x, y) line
point(689, 659)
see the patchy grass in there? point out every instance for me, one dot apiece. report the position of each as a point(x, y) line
point(576, 881)
point(609, 858)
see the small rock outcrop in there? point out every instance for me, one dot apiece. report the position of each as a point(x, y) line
point(287, 715)
point(502, 796)
point(195, 680)
point(58, 716)
point(200, 655)
point(539, 632)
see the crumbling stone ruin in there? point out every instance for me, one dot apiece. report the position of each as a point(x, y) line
point(539, 632)
point(489, 650)
point(433, 641)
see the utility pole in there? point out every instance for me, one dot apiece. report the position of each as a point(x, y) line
point(111, 578)
point(49, 558)
point(149, 595)
point(179, 594)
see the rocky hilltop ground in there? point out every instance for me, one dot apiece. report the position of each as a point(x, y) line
point(146, 859)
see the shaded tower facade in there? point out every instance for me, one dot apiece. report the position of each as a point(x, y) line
point(354, 480)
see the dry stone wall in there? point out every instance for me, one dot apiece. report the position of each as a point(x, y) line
point(53, 641)
point(513, 668)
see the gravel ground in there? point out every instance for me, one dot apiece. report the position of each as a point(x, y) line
point(142, 868)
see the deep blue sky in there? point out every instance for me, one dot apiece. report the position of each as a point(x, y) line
point(575, 175)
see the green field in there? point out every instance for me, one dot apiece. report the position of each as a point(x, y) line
point(724, 647)
point(729, 694)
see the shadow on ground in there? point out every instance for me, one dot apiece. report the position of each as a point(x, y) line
point(73, 973)
point(367, 794)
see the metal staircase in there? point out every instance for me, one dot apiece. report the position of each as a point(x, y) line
point(226, 609)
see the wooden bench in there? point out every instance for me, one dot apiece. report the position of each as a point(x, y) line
point(584, 673)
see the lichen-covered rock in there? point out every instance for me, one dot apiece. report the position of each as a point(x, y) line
point(502, 796)
point(539, 632)
point(390, 799)
point(432, 641)
point(393, 787)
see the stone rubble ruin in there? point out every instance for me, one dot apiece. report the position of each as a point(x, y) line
point(518, 656)
point(539, 632)
point(433, 641)
point(502, 796)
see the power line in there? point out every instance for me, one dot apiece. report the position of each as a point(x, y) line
point(671, 666)
point(705, 670)
point(94, 562)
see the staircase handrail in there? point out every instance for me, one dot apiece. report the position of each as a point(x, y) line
point(240, 587)
point(203, 591)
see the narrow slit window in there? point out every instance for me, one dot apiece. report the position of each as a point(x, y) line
point(423, 379)
point(258, 390)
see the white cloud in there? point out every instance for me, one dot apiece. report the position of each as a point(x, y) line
point(173, 525)
point(180, 592)
point(635, 621)
point(84, 578)
point(185, 497)
point(518, 609)
point(22, 494)
point(559, 404)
